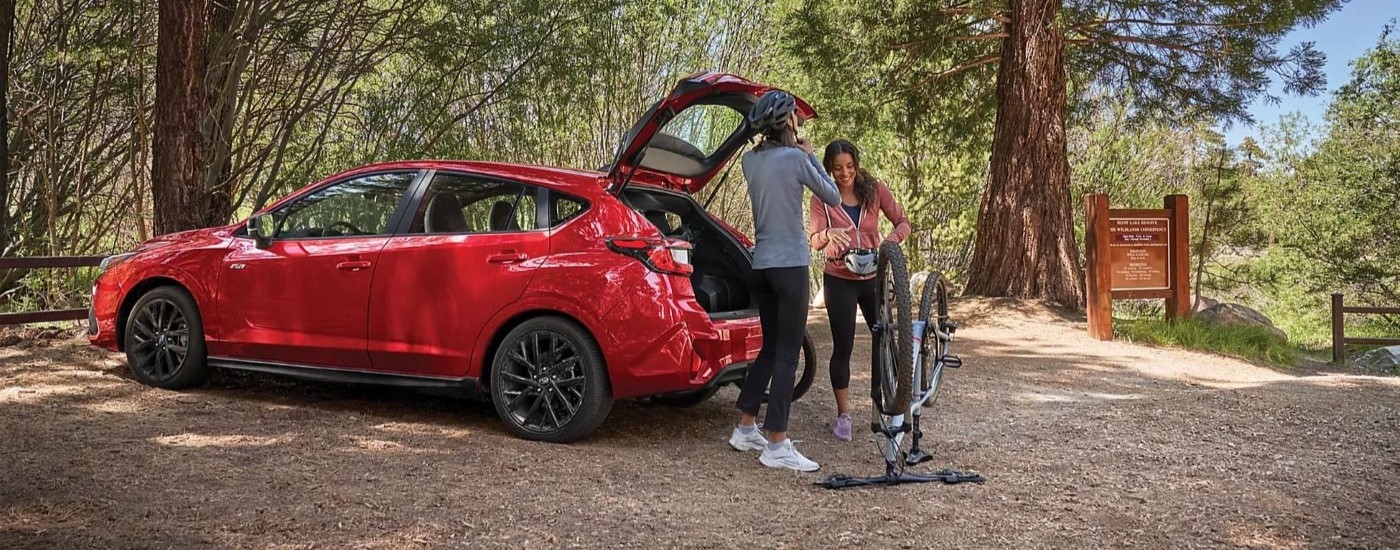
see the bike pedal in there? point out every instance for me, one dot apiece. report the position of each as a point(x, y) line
point(952, 361)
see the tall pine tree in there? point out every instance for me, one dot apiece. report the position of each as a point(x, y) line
point(1187, 60)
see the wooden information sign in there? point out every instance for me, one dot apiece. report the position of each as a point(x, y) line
point(1138, 253)
point(1135, 254)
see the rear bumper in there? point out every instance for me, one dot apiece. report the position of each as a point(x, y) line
point(670, 344)
point(732, 374)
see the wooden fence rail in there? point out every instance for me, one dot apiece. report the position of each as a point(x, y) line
point(46, 262)
point(1339, 339)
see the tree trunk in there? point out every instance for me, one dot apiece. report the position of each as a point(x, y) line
point(226, 57)
point(1025, 244)
point(178, 163)
point(7, 27)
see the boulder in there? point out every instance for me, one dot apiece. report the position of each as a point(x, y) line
point(1238, 315)
point(916, 285)
point(1380, 361)
point(1205, 303)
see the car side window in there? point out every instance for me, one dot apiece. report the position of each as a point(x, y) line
point(357, 207)
point(563, 208)
point(458, 203)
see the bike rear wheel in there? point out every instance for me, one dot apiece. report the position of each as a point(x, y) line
point(933, 311)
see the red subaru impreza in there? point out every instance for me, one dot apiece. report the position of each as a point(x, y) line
point(549, 291)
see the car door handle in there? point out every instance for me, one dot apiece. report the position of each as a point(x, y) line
point(507, 257)
point(352, 266)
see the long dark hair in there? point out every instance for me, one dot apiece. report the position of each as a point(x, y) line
point(865, 183)
point(785, 136)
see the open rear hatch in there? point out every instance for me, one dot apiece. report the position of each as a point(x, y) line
point(679, 145)
point(685, 139)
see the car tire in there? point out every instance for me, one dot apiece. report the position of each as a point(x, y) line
point(548, 381)
point(164, 340)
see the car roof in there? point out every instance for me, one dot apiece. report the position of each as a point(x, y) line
point(563, 179)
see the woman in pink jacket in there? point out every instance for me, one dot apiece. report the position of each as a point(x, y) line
point(854, 225)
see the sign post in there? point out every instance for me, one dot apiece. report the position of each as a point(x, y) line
point(1135, 254)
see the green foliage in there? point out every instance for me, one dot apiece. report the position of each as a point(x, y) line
point(1329, 207)
point(328, 84)
point(930, 149)
point(1184, 61)
point(1250, 343)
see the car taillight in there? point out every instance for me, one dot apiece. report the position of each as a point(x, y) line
point(660, 255)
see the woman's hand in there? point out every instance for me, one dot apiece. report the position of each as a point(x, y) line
point(805, 144)
point(838, 237)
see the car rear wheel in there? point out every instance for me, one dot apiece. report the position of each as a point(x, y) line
point(548, 381)
point(165, 340)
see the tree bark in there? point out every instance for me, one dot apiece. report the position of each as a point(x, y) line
point(178, 168)
point(226, 57)
point(1025, 245)
point(7, 28)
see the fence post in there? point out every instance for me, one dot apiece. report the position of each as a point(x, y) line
point(1179, 266)
point(1098, 283)
point(1339, 349)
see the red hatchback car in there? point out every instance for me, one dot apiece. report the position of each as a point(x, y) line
point(549, 291)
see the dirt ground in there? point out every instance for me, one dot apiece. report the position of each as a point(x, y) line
point(1084, 445)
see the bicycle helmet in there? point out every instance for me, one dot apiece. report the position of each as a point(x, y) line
point(771, 111)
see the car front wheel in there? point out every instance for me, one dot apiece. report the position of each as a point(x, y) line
point(548, 381)
point(165, 340)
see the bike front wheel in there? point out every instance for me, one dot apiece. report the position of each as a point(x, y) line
point(894, 345)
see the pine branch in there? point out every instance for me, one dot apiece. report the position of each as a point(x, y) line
point(943, 75)
point(1119, 38)
point(993, 36)
point(1153, 23)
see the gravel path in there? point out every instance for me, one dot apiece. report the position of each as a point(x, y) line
point(1084, 444)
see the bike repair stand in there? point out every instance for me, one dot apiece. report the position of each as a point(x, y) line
point(894, 475)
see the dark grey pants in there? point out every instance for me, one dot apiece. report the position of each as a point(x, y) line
point(781, 294)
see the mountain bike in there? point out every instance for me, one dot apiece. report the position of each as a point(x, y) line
point(908, 357)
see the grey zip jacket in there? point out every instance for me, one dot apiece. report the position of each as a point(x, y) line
point(775, 177)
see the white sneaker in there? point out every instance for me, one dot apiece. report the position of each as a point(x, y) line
point(786, 456)
point(752, 441)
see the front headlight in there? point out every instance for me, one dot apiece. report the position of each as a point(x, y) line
point(112, 260)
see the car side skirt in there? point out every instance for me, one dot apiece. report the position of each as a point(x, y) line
point(464, 387)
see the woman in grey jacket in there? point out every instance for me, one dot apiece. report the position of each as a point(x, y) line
point(777, 170)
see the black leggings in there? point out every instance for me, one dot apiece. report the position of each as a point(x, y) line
point(781, 294)
point(842, 295)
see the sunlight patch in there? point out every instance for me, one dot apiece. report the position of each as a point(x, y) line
point(116, 406)
point(201, 441)
point(26, 394)
point(380, 445)
point(1057, 396)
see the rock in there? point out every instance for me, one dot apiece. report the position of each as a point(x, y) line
point(1205, 303)
point(916, 285)
point(1238, 315)
point(1380, 361)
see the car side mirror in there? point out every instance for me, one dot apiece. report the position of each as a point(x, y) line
point(261, 227)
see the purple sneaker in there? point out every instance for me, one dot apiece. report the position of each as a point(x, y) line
point(842, 430)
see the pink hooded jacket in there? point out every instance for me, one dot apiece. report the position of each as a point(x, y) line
point(866, 236)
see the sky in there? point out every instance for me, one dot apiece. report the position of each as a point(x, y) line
point(1344, 36)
